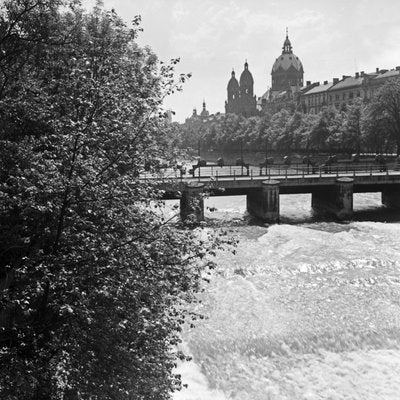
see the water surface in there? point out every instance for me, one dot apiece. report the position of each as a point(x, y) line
point(305, 309)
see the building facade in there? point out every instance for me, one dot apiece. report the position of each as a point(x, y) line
point(345, 91)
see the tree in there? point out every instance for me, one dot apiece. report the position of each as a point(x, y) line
point(383, 112)
point(301, 134)
point(94, 281)
point(278, 134)
point(324, 134)
point(375, 134)
point(351, 130)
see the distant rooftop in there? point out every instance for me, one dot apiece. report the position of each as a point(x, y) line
point(320, 88)
point(350, 81)
point(388, 74)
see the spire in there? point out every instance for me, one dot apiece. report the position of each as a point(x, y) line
point(246, 65)
point(204, 113)
point(233, 73)
point(287, 46)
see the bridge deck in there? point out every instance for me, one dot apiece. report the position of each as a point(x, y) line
point(298, 178)
point(289, 184)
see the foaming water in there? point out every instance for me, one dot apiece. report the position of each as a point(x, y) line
point(305, 309)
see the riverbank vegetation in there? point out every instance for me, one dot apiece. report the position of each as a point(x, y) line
point(94, 283)
point(372, 127)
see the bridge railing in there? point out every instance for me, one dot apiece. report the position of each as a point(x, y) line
point(345, 168)
point(271, 171)
point(290, 170)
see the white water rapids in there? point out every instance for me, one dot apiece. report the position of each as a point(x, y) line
point(305, 309)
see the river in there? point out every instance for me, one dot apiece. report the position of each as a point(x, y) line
point(305, 309)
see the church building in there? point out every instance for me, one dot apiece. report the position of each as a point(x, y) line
point(241, 99)
point(286, 80)
point(203, 116)
point(287, 71)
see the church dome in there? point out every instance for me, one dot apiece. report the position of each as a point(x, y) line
point(287, 59)
point(246, 79)
point(233, 84)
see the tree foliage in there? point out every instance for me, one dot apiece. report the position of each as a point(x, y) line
point(94, 281)
point(382, 122)
point(372, 126)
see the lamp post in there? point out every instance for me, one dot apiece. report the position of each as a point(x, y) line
point(241, 154)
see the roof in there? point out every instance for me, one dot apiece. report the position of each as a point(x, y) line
point(350, 81)
point(388, 74)
point(319, 89)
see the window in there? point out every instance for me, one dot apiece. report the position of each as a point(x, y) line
point(344, 96)
point(337, 97)
point(358, 94)
point(351, 95)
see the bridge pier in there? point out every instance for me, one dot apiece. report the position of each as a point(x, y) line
point(391, 197)
point(192, 202)
point(263, 202)
point(337, 200)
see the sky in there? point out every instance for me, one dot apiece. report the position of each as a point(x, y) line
point(331, 38)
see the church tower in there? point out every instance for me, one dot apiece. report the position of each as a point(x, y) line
point(241, 99)
point(287, 71)
point(248, 102)
point(204, 113)
point(232, 104)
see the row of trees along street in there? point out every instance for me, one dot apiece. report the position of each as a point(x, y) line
point(94, 281)
point(360, 127)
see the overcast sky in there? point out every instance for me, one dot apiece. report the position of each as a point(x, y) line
point(331, 38)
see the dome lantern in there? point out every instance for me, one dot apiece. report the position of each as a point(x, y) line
point(287, 46)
